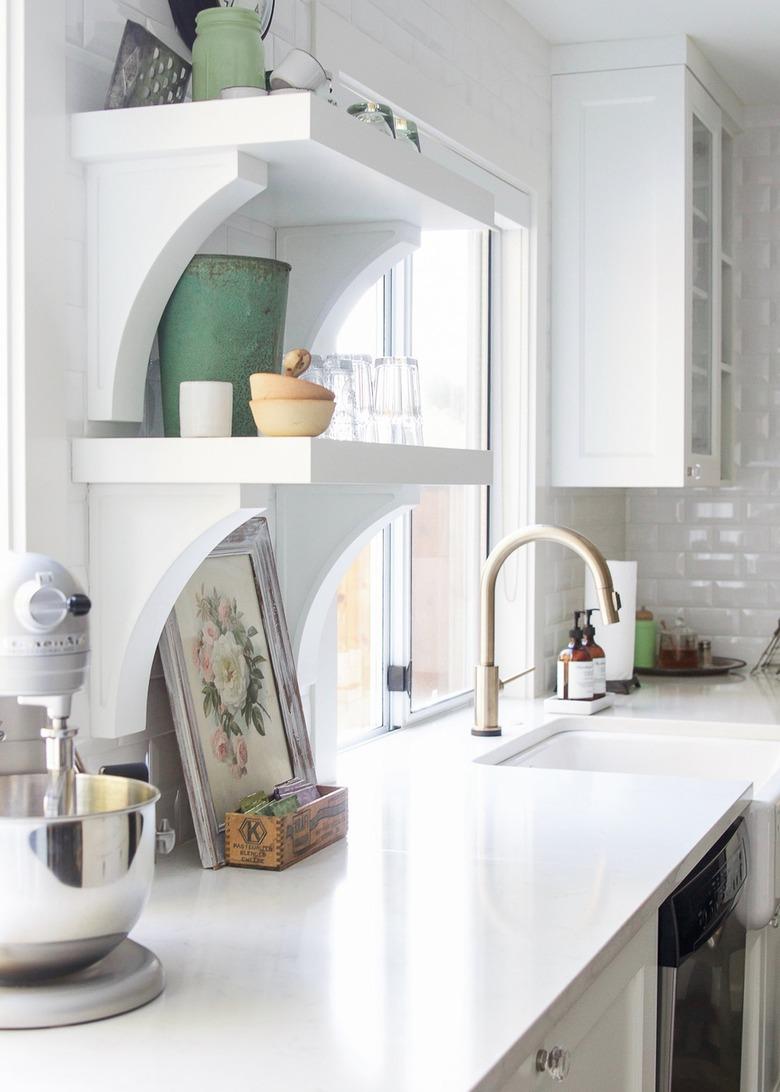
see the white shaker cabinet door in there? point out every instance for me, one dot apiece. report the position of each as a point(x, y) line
point(622, 266)
point(606, 1041)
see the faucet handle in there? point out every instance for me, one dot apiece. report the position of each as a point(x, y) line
point(513, 678)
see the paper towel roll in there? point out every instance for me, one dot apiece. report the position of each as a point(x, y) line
point(617, 640)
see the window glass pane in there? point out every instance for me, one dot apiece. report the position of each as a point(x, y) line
point(448, 335)
point(362, 330)
point(360, 645)
point(446, 558)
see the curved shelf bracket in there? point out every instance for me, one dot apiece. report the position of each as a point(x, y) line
point(146, 218)
point(332, 266)
point(319, 532)
point(144, 543)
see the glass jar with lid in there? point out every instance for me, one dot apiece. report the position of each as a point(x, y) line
point(678, 646)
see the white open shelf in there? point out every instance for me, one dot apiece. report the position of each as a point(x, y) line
point(161, 179)
point(323, 165)
point(346, 203)
point(266, 461)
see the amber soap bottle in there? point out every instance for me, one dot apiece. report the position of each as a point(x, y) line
point(575, 668)
point(597, 655)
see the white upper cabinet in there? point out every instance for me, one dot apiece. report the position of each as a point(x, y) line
point(636, 321)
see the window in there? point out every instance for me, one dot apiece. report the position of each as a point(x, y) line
point(411, 594)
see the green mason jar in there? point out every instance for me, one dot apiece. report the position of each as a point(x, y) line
point(228, 51)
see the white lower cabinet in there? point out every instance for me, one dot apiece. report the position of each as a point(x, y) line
point(606, 1041)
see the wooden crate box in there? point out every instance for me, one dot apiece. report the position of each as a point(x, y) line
point(266, 841)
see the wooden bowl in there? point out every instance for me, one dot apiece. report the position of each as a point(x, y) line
point(271, 385)
point(292, 416)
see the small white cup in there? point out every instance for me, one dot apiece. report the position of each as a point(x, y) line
point(239, 92)
point(205, 408)
point(299, 70)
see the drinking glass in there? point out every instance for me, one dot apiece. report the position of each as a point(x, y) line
point(397, 401)
point(343, 425)
point(363, 378)
point(315, 373)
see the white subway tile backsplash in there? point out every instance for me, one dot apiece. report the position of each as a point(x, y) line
point(647, 507)
point(714, 566)
point(675, 536)
point(685, 593)
point(713, 621)
point(644, 537)
point(712, 510)
point(765, 565)
point(743, 538)
point(740, 594)
point(662, 564)
point(759, 622)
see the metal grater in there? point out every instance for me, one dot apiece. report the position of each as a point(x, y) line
point(147, 72)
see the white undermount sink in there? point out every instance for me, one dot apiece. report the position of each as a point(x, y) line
point(673, 749)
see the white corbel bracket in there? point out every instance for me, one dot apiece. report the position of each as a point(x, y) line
point(332, 266)
point(319, 532)
point(146, 217)
point(146, 541)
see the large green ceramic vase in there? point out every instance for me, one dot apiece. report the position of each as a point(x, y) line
point(224, 320)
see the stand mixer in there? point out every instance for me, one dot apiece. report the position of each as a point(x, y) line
point(76, 850)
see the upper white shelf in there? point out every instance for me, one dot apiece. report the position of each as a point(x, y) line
point(266, 461)
point(323, 165)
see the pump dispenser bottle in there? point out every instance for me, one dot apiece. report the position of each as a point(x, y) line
point(575, 668)
point(597, 655)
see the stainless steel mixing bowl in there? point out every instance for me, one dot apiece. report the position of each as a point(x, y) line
point(71, 887)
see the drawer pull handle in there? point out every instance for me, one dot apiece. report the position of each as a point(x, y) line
point(555, 1062)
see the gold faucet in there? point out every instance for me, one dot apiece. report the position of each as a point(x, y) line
point(487, 683)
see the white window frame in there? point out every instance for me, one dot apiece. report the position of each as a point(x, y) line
point(396, 328)
point(518, 177)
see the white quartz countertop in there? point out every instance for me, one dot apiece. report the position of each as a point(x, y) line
point(469, 907)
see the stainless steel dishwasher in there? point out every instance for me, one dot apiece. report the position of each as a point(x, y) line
point(701, 969)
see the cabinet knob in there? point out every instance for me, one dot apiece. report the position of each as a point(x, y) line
point(695, 472)
point(555, 1062)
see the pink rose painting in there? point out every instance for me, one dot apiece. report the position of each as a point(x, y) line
point(231, 675)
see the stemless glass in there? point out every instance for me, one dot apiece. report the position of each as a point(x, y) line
point(397, 401)
point(315, 373)
point(363, 379)
point(343, 425)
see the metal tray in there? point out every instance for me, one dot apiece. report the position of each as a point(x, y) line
point(721, 665)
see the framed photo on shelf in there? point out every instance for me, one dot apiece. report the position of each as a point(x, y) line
point(231, 680)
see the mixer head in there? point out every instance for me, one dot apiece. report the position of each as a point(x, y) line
point(44, 636)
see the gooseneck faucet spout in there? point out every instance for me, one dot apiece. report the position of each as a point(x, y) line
point(487, 683)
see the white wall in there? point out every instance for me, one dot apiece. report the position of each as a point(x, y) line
point(716, 552)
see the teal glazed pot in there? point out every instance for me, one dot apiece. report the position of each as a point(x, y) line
point(227, 52)
point(224, 321)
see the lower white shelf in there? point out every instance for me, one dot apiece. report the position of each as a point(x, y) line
point(273, 461)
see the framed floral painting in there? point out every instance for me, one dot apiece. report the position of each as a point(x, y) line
point(231, 680)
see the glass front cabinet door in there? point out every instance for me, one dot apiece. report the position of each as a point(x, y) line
point(640, 355)
point(704, 282)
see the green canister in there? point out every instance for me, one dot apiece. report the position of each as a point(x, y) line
point(228, 51)
point(645, 639)
point(225, 320)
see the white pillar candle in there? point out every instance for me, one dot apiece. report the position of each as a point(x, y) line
point(205, 409)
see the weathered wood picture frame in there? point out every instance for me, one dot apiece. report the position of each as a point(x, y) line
point(232, 684)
